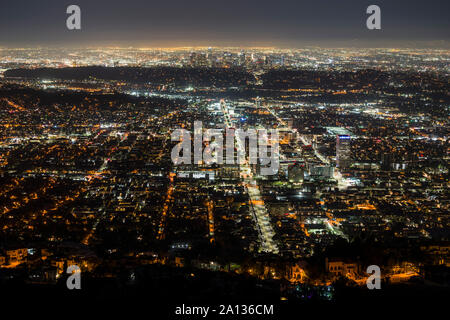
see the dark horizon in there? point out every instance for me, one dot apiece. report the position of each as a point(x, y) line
point(175, 23)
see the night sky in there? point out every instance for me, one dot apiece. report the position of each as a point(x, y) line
point(170, 23)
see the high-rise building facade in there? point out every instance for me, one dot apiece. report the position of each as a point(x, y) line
point(343, 152)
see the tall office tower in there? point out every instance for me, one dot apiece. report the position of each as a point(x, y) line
point(343, 152)
point(241, 56)
point(258, 102)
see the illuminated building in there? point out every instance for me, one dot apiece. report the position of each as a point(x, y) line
point(343, 152)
